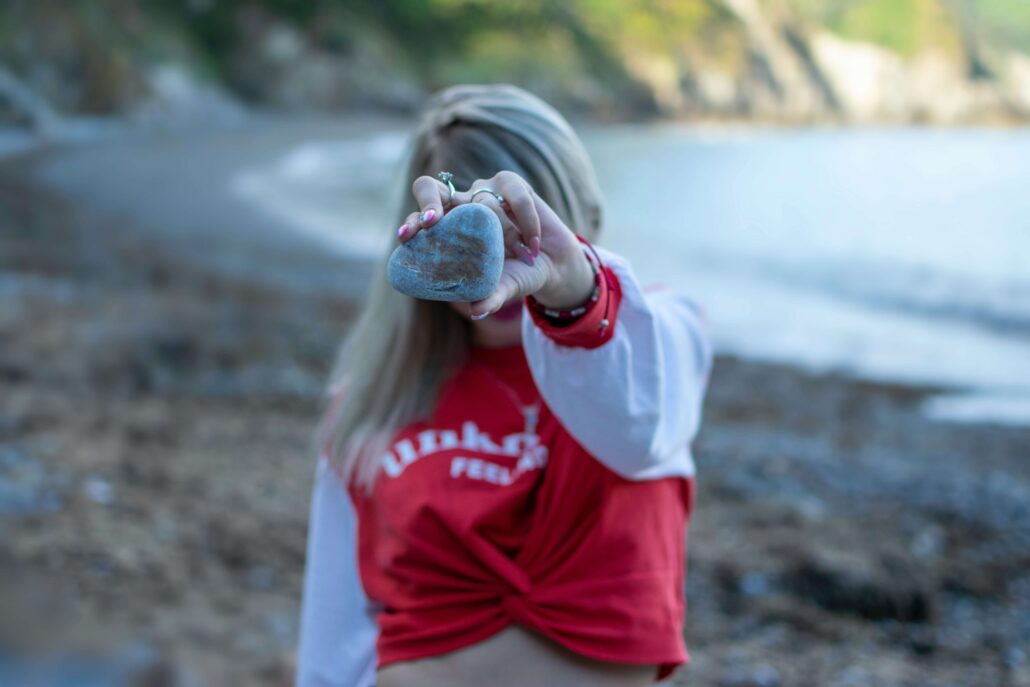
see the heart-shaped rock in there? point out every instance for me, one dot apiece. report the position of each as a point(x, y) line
point(457, 259)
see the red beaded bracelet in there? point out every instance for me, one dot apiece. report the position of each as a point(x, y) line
point(565, 317)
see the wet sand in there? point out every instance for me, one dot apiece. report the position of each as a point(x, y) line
point(161, 364)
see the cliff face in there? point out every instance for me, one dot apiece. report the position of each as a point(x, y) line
point(783, 60)
point(797, 69)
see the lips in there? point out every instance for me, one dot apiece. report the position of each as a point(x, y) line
point(510, 310)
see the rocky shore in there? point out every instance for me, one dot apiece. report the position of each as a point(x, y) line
point(155, 466)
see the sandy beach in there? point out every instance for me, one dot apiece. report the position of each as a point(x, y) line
point(162, 351)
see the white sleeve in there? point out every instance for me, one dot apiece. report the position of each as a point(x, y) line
point(337, 629)
point(634, 402)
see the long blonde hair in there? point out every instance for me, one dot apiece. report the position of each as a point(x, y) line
point(400, 350)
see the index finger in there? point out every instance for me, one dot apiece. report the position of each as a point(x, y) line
point(520, 201)
point(430, 195)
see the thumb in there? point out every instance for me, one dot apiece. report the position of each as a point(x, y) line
point(505, 290)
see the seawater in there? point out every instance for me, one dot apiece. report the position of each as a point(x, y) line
point(888, 254)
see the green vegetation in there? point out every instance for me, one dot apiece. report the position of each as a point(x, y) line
point(559, 48)
point(608, 55)
point(906, 27)
point(1002, 21)
point(911, 26)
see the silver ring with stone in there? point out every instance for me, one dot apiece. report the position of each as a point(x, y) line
point(446, 178)
point(495, 194)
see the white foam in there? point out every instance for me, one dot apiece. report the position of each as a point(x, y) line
point(998, 409)
point(334, 190)
point(895, 255)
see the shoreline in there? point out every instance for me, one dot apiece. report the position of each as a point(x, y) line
point(234, 197)
point(188, 205)
point(156, 472)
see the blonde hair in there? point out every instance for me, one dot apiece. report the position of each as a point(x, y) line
point(400, 350)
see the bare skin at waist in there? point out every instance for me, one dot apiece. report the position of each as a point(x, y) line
point(514, 657)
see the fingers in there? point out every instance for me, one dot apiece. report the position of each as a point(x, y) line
point(409, 228)
point(519, 198)
point(505, 291)
point(517, 280)
point(513, 245)
point(517, 212)
point(430, 196)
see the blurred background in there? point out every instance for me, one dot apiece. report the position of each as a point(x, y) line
point(191, 197)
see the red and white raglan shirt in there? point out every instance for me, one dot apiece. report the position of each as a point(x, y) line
point(572, 526)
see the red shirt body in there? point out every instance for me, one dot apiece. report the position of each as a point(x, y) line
point(482, 525)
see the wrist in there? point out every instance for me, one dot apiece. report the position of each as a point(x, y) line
point(571, 284)
point(588, 325)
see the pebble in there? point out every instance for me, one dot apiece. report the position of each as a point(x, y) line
point(755, 676)
point(755, 585)
point(99, 490)
point(260, 577)
point(26, 487)
point(457, 259)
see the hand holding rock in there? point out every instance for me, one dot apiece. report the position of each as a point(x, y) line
point(540, 254)
point(459, 259)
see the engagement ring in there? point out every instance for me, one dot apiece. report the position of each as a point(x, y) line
point(446, 177)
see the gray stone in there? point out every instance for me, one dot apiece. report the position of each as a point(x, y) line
point(457, 259)
point(757, 676)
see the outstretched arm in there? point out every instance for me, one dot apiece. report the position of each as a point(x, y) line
point(630, 392)
point(338, 629)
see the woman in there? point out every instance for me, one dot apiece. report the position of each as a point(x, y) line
point(504, 486)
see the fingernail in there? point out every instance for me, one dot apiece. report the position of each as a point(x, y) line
point(535, 243)
point(480, 316)
point(427, 216)
point(400, 230)
point(527, 256)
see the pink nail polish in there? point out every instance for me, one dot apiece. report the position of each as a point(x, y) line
point(535, 242)
point(401, 229)
point(527, 255)
point(480, 316)
point(427, 216)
